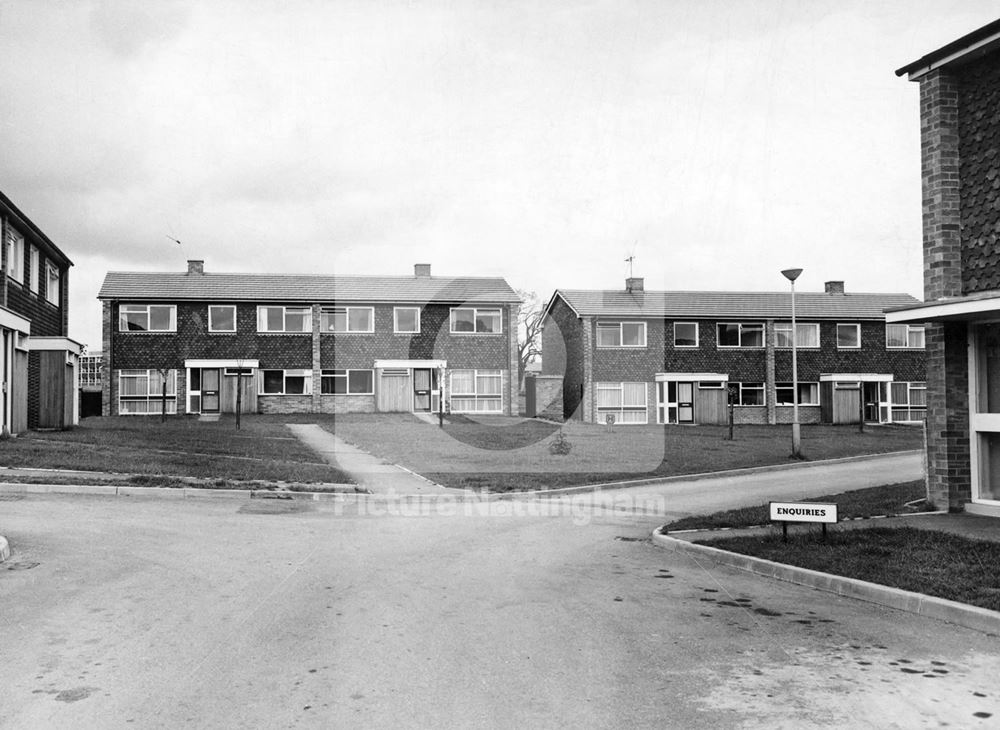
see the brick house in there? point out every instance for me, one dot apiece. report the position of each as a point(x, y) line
point(307, 344)
point(960, 169)
point(38, 361)
point(679, 357)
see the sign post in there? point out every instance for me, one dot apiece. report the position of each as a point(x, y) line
point(785, 512)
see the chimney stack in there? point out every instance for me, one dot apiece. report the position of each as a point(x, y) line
point(834, 287)
point(422, 270)
point(634, 284)
point(196, 267)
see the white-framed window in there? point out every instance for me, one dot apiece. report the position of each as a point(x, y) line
point(406, 320)
point(352, 382)
point(222, 318)
point(15, 255)
point(738, 334)
point(52, 284)
point(285, 382)
point(469, 320)
point(347, 320)
point(140, 392)
point(807, 335)
point(147, 318)
point(476, 391)
point(751, 394)
point(621, 334)
point(685, 334)
point(909, 400)
point(233, 372)
point(848, 335)
point(711, 384)
point(33, 268)
point(847, 385)
point(784, 394)
point(625, 401)
point(909, 336)
point(284, 319)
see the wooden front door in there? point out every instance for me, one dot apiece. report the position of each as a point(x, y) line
point(685, 403)
point(394, 392)
point(424, 383)
point(210, 390)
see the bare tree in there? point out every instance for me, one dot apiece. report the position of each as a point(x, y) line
point(529, 332)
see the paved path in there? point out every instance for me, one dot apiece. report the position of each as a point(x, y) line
point(370, 472)
point(218, 614)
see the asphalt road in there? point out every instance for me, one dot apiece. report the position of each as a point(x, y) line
point(132, 612)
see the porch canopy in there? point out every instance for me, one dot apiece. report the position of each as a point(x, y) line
point(971, 308)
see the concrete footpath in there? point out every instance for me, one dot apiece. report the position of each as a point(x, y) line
point(372, 473)
point(971, 526)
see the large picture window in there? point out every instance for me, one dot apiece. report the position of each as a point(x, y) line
point(285, 382)
point(147, 318)
point(625, 401)
point(807, 334)
point(476, 391)
point(808, 394)
point(284, 319)
point(909, 401)
point(347, 382)
point(751, 394)
point(475, 320)
point(621, 334)
point(910, 336)
point(347, 319)
point(733, 334)
point(140, 392)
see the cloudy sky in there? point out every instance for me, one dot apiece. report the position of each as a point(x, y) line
point(717, 141)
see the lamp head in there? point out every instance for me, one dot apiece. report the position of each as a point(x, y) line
point(791, 274)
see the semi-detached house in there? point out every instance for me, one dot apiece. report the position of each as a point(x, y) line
point(307, 344)
point(675, 357)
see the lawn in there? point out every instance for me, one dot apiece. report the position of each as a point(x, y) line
point(263, 449)
point(925, 561)
point(891, 499)
point(504, 454)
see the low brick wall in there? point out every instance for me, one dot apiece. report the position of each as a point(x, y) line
point(750, 414)
point(285, 403)
point(347, 404)
point(807, 414)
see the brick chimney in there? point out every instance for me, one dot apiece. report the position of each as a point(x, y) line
point(834, 287)
point(422, 270)
point(196, 267)
point(634, 284)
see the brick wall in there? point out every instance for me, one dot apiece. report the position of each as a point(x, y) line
point(346, 403)
point(562, 353)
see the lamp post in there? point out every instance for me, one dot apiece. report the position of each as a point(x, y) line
point(792, 275)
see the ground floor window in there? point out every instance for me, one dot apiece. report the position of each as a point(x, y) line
point(784, 393)
point(750, 394)
point(354, 382)
point(476, 391)
point(140, 392)
point(286, 382)
point(909, 401)
point(625, 401)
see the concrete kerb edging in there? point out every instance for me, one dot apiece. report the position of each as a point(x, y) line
point(4, 549)
point(971, 617)
point(699, 476)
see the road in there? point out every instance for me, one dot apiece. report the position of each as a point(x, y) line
point(137, 612)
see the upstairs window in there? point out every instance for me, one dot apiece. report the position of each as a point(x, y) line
point(621, 334)
point(284, 319)
point(406, 320)
point(807, 334)
point(15, 255)
point(848, 336)
point(52, 285)
point(910, 336)
point(222, 318)
point(347, 319)
point(146, 317)
point(33, 269)
point(685, 334)
point(740, 335)
point(475, 320)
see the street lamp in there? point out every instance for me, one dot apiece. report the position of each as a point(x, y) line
point(792, 275)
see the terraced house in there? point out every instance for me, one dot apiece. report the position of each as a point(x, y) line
point(676, 357)
point(197, 342)
point(38, 361)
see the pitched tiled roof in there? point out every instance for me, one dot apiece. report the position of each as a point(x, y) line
point(303, 288)
point(742, 305)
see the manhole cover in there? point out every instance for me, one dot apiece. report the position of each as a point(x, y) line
point(22, 566)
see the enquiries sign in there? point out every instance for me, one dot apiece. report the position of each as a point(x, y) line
point(803, 512)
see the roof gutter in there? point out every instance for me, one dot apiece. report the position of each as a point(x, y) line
point(967, 48)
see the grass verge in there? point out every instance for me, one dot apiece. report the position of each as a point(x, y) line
point(891, 499)
point(925, 561)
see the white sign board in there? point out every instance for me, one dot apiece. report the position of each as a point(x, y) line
point(803, 512)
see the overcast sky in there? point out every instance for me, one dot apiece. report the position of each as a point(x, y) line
point(716, 141)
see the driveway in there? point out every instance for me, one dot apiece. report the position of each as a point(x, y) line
point(227, 613)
